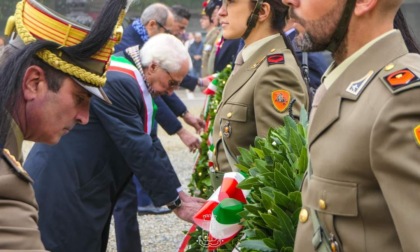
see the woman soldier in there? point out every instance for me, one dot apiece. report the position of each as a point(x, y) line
point(266, 82)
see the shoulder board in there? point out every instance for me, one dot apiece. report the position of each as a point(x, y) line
point(399, 80)
point(16, 166)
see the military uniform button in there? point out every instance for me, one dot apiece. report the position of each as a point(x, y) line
point(229, 115)
point(273, 50)
point(303, 215)
point(220, 134)
point(322, 204)
point(389, 67)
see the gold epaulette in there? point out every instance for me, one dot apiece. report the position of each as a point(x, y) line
point(16, 166)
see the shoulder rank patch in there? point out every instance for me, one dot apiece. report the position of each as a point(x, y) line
point(400, 79)
point(280, 99)
point(275, 59)
point(16, 166)
point(357, 86)
point(417, 134)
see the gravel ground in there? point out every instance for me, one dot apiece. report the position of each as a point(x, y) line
point(164, 233)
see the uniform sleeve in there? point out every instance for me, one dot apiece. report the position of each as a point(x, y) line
point(123, 122)
point(395, 156)
point(278, 77)
point(19, 213)
point(166, 116)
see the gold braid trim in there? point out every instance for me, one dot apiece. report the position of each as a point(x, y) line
point(52, 59)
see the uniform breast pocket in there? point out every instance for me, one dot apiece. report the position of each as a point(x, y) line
point(234, 112)
point(336, 205)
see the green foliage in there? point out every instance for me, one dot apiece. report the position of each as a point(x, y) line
point(276, 165)
point(200, 184)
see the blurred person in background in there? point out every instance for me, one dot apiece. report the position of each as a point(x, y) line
point(182, 19)
point(195, 50)
point(209, 24)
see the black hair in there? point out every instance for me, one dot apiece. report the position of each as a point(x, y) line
point(12, 70)
point(14, 62)
point(181, 11)
point(211, 6)
point(401, 24)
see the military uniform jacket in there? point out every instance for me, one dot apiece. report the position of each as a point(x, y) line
point(78, 180)
point(365, 154)
point(18, 208)
point(269, 78)
point(208, 46)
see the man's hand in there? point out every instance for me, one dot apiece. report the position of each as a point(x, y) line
point(189, 207)
point(191, 141)
point(205, 81)
point(194, 121)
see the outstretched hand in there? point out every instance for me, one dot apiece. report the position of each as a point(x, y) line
point(194, 121)
point(189, 207)
point(191, 141)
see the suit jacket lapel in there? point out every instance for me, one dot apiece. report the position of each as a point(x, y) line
point(374, 59)
point(241, 77)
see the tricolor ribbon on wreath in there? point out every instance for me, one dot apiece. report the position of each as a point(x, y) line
point(220, 214)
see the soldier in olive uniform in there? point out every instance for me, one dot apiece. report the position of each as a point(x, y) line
point(210, 24)
point(265, 80)
point(364, 138)
point(47, 77)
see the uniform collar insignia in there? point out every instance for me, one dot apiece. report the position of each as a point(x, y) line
point(357, 86)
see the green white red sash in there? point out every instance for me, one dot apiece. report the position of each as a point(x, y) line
point(123, 65)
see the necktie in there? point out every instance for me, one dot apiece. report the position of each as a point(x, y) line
point(239, 61)
point(319, 94)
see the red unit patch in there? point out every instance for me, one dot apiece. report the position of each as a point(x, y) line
point(400, 78)
point(275, 59)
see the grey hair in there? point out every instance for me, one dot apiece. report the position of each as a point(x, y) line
point(165, 50)
point(156, 11)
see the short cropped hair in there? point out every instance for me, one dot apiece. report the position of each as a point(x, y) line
point(181, 12)
point(166, 50)
point(156, 11)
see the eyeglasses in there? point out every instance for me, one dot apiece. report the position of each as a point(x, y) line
point(172, 83)
point(164, 28)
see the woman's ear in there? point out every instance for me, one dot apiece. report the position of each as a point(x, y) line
point(34, 82)
point(264, 11)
